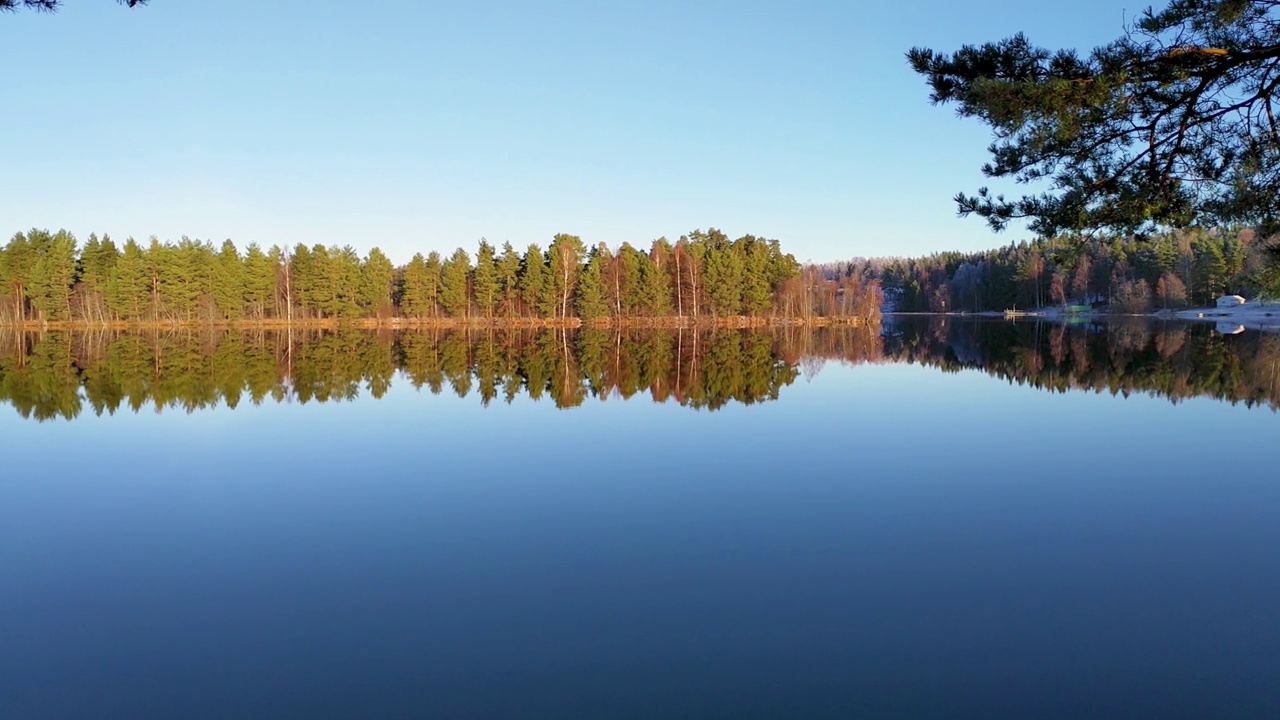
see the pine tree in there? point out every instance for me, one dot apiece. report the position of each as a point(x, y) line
point(533, 279)
point(304, 280)
point(1169, 125)
point(414, 301)
point(435, 270)
point(1210, 268)
point(485, 285)
point(627, 278)
point(454, 295)
point(590, 302)
point(97, 261)
point(53, 274)
point(723, 274)
point(259, 279)
point(756, 285)
point(344, 280)
point(508, 265)
point(228, 282)
point(375, 283)
point(183, 273)
point(129, 287)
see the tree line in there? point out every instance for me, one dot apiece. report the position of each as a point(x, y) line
point(61, 374)
point(1124, 273)
point(703, 276)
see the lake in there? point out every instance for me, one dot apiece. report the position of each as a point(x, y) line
point(949, 518)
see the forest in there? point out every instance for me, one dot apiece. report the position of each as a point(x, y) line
point(1124, 273)
point(49, 279)
point(59, 374)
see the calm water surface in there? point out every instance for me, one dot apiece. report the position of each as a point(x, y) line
point(954, 520)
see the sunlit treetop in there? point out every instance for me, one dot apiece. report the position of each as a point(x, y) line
point(1173, 124)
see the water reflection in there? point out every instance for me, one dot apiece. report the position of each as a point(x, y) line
point(60, 374)
point(1175, 360)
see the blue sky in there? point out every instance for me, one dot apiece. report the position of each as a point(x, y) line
point(419, 126)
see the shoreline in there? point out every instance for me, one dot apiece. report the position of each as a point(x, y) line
point(1252, 315)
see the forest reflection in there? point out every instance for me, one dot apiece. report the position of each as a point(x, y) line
point(1169, 359)
point(56, 375)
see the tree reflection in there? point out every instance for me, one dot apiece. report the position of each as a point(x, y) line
point(58, 374)
point(1165, 359)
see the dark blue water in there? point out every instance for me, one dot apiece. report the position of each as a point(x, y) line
point(884, 540)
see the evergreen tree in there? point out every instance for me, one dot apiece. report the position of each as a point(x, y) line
point(16, 264)
point(259, 279)
point(454, 295)
point(1169, 125)
point(723, 274)
point(228, 282)
point(1210, 268)
point(414, 301)
point(375, 283)
point(303, 279)
point(97, 261)
point(434, 270)
point(485, 283)
point(53, 274)
point(756, 275)
point(183, 273)
point(533, 279)
point(345, 282)
point(589, 301)
point(129, 287)
point(508, 268)
point(629, 261)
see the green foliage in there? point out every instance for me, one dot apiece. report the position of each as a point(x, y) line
point(51, 273)
point(589, 300)
point(259, 279)
point(129, 287)
point(653, 294)
point(419, 296)
point(485, 285)
point(454, 295)
point(533, 279)
point(229, 281)
point(564, 259)
point(375, 283)
point(43, 278)
point(1168, 126)
point(629, 261)
point(508, 272)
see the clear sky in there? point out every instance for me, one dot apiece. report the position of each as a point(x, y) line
point(417, 125)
